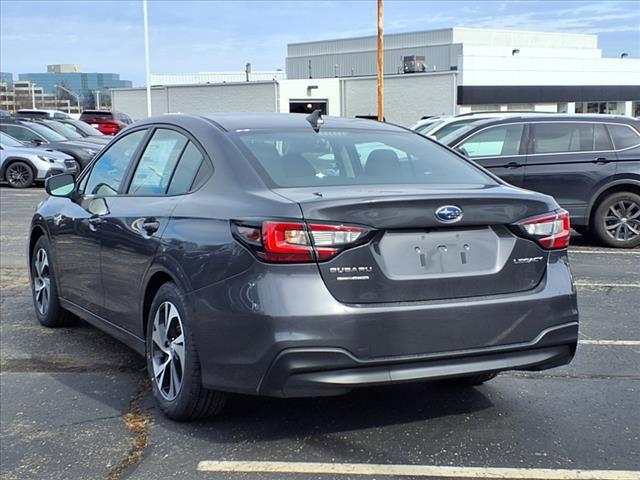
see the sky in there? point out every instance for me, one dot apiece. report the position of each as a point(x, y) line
point(197, 36)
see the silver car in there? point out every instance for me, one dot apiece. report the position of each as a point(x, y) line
point(20, 166)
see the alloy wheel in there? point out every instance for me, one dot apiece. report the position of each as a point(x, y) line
point(168, 350)
point(622, 220)
point(18, 175)
point(41, 281)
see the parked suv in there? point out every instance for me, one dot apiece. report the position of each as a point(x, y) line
point(589, 164)
point(109, 123)
point(38, 135)
point(20, 166)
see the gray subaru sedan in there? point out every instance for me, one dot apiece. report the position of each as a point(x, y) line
point(295, 256)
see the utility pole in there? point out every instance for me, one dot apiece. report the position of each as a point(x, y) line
point(146, 55)
point(380, 64)
point(33, 95)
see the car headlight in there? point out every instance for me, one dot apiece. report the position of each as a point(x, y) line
point(46, 159)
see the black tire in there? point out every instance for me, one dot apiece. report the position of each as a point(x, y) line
point(19, 174)
point(620, 205)
point(49, 312)
point(472, 380)
point(191, 401)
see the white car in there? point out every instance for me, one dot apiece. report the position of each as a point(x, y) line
point(39, 113)
point(442, 125)
point(20, 166)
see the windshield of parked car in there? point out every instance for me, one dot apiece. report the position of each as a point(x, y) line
point(7, 141)
point(451, 127)
point(356, 157)
point(62, 129)
point(46, 132)
point(82, 128)
point(425, 128)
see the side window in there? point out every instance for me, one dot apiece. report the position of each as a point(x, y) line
point(499, 141)
point(158, 162)
point(21, 133)
point(106, 176)
point(557, 137)
point(601, 139)
point(186, 170)
point(623, 136)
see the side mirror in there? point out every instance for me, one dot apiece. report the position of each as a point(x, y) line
point(60, 185)
point(37, 141)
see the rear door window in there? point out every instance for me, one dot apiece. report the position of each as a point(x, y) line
point(562, 137)
point(186, 171)
point(158, 162)
point(498, 141)
point(623, 136)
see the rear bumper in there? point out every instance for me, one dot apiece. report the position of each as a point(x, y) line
point(276, 330)
point(321, 372)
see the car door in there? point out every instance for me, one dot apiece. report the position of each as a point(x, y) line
point(569, 161)
point(132, 230)
point(76, 228)
point(500, 149)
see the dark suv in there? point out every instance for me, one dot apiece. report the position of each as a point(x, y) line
point(589, 163)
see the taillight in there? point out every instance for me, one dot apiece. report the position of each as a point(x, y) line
point(551, 230)
point(296, 242)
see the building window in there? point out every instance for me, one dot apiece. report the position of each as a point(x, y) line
point(612, 108)
point(635, 109)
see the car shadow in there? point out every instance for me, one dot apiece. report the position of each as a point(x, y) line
point(249, 419)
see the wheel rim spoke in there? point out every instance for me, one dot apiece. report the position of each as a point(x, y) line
point(168, 350)
point(622, 221)
point(41, 281)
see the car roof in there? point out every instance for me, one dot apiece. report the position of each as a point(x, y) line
point(234, 121)
point(558, 117)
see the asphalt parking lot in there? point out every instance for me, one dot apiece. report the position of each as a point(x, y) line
point(74, 403)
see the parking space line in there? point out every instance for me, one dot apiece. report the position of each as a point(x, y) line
point(413, 470)
point(606, 285)
point(627, 343)
point(594, 250)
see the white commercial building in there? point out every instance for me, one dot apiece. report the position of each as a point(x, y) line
point(446, 71)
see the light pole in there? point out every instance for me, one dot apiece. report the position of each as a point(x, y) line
point(146, 55)
point(380, 64)
point(70, 93)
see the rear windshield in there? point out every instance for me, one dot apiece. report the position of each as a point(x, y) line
point(97, 115)
point(295, 158)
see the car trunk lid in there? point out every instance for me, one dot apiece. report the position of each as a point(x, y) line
point(414, 256)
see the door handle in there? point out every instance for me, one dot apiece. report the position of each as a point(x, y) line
point(150, 226)
point(601, 161)
point(513, 165)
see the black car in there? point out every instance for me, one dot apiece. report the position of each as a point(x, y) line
point(286, 255)
point(36, 134)
point(589, 163)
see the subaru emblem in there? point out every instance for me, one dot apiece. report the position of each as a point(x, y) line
point(449, 214)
